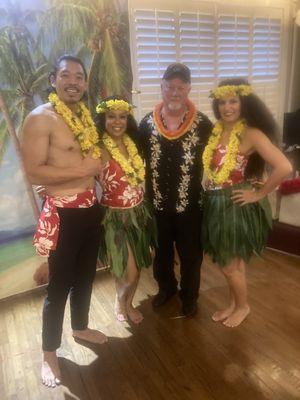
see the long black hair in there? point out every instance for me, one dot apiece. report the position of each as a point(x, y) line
point(257, 115)
point(132, 128)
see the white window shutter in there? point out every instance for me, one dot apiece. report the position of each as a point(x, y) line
point(155, 50)
point(215, 42)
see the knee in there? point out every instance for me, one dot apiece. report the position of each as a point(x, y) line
point(229, 271)
point(234, 268)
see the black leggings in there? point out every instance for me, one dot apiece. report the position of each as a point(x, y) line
point(72, 268)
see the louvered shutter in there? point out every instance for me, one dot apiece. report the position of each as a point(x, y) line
point(215, 41)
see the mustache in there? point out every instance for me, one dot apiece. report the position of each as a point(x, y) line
point(72, 87)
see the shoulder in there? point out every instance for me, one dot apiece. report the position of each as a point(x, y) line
point(39, 122)
point(203, 119)
point(43, 111)
point(146, 126)
point(145, 120)
point(204, 126)
point(39, 118)
point(254, 135)
point(255, 139)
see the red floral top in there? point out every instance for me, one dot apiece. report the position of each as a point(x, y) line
point(117, 192)
point(237, 175)
point(47, 230)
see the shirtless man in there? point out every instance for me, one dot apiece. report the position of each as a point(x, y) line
point(69, 226)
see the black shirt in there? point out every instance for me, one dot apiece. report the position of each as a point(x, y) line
point(174, 166)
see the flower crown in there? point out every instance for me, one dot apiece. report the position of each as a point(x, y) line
point(230, 90)
point(113, 105)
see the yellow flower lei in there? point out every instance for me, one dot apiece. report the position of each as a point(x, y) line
point(83, 127)
point(133, 167)
point(231, 90)
point(221, 176)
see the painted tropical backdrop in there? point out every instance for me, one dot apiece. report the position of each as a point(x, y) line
point(33, 34)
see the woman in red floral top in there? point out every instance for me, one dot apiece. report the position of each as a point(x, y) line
point(129, 228)
point(237, 216)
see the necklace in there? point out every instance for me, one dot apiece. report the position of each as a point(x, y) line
point(182, 129)
point(133, 167)
point(82, 126)
point(221, 175)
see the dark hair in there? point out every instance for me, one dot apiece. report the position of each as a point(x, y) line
point(131, 129)
point(257, 115)
point(66, 57)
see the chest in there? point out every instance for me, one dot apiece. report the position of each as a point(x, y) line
point(178, 149)
point(63, 138)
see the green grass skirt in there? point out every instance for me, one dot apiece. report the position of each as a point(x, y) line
point(133, 226)
point(230, 230)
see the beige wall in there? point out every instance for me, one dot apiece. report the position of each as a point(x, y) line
point(295, 86)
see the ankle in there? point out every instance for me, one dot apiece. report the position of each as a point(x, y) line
point(242, 307)
point(129, 305)
point(49, 354)
point(79, 331)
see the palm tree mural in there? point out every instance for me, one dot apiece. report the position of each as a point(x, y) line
point(23, 74)
point(23, 68)
point(97, 30)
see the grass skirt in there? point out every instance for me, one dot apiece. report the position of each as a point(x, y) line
point(133, 226)
point(230, 230)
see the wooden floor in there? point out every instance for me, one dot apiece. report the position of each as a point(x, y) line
point(167, 357)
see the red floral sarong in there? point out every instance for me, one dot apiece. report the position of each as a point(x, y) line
point(46, 234)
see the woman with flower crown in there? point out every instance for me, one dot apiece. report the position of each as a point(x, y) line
point(237, 215)
point(129, 228)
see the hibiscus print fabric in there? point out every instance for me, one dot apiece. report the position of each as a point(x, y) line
point(117, 192)
point(47, 231)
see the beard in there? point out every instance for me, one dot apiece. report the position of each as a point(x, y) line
point(175, 106)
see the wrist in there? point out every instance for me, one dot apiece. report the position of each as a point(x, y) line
point(260, 193)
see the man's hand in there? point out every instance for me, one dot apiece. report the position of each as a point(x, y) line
point(41, 191)
point(91, 166)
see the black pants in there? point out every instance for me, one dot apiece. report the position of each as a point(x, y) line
point(185, 230)
point(72, 268)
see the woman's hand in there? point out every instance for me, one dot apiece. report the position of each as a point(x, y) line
point(205, 184)
point(243, 197)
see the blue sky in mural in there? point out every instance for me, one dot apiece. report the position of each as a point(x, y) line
point(15, 209)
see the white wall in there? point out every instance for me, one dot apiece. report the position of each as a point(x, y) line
point(295, 83)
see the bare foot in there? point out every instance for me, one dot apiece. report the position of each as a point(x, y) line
point(223, 314)
point(121, 317)
point(134, 315)
point(90, 335)
point(237, 317)
point(120, 311)
point(50, 371)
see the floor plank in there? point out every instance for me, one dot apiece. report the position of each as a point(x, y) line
point(166, 357)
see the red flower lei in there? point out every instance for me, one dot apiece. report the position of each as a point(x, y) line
point(290, 186)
